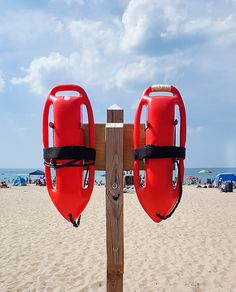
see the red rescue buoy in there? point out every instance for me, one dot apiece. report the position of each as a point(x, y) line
point(158, 195)
point(68, 155)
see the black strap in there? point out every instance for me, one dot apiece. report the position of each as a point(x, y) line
point(179, 199)
point(71, 153)
point(152, 151)
point(74, 223)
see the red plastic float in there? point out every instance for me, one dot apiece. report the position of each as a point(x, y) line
point(159, 196)
point(68, 156)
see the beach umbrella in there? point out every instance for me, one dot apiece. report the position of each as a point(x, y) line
point(203, 171)
point(37, 172)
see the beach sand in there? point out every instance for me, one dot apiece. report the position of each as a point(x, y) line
point(194, 250)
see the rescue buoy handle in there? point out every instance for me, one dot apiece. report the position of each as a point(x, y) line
point(179, 102)
point(179, 198)
point(46, 140)
point(143, 102)
point(45, 122)
point(88, 106)
point(83, 99)
point(67, 87)
point(90, 164)
point(161, 88)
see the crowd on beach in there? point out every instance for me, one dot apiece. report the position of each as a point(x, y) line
point(224, 186)
point(38, 182)
point(196, 181)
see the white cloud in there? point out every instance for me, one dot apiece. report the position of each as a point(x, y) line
point(69, 2)
point(219, 30)
point(2, 83)
point(151, 69)
point(135, 25)
point(79, 2)
point(135, 49)
point(150, 20)
point(95, 34)
point(39, 71)
point(89, 67)
point(97, 57)
point(27, 26)
point(43, 72)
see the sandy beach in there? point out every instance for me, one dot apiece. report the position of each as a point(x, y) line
point(195, 250)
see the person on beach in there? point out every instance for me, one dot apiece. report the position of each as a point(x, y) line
point(220, 183)
point(4, 184)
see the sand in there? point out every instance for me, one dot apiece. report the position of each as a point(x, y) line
point(194, 250)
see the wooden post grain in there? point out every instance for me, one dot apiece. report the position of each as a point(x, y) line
point(114, 199)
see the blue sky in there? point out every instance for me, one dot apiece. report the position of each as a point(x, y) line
point(114, 50)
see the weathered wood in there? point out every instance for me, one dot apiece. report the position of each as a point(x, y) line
point(114, 282)
point(114, 199)
point(128, 160)
point(100, 163)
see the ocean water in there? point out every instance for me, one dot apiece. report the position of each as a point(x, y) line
point(8, 174)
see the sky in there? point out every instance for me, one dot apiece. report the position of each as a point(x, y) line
point(114, 50)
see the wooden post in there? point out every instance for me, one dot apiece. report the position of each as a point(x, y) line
point(114, 199)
